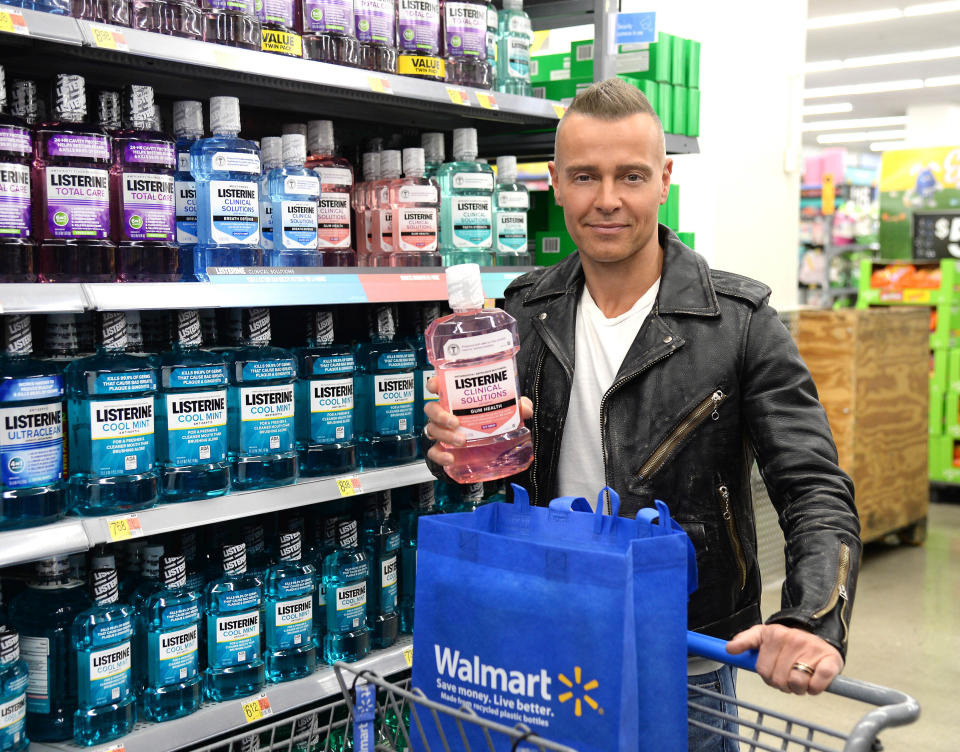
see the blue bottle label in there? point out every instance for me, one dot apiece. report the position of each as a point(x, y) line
point(347, 609)
point(298, 224)
point(186, 209)
point(121, 436)
point(112, 631)
point(332, 364)
point(35, 651)
point(196, 427)
point(393, 403)
point(266, 415)
point(32, 388)
point(234, 212)
point(197, 376)
point(235, 600)
point(31, 445)
point(177, 615)
point(290, 622)
point(405, 359)
point(172, 656)
point(233, 638)
point(388, 583)
point(331, 410)
point(107, 674)
point(13, 714)
point(119, 383)
point(261, 370)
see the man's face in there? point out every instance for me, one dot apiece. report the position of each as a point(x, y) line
point(610, 177)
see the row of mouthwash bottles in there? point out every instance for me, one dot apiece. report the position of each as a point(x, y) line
point(117, 431)
point(180, 624)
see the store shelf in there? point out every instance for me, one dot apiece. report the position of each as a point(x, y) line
point(540, 145)
point(37, 298)
point(64, 537)
point(836, 292)
point(213, 720)
point(925, 297)
point(45, 27)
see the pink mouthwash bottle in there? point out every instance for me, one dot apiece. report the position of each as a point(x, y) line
point(474, 353)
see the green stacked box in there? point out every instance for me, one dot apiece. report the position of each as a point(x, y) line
point(549, 68)
point(687, 238)
point(552, 247)
point(693, 113)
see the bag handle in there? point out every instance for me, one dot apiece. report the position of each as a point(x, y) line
point(570, 504)
point(665, 525)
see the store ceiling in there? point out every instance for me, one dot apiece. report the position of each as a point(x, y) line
point(900, 35)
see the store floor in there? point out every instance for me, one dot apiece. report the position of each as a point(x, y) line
point(905, 634)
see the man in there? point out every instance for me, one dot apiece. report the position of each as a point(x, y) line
point(654, 375)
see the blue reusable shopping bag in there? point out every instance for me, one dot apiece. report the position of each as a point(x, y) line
point(571, 622)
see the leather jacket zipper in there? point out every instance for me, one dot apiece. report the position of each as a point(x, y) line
point(536, 430)
point(839, 591)
point(734, 536)
point(708, 407)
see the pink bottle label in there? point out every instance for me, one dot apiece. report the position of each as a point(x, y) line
point(149, 207)
point(484, 398)
point(78, 202)
point(416, 228)
point(145, 153)
point(15, 140)
point(14, 200)
point(75, 145)
point(333, 220)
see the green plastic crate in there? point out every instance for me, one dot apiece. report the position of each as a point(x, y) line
point(693, 113)
point(693, 63)
point(688, 239)
point(665, 105)
point(953, 370)
point(680, 101)
point(941, 467)
point(551, 247)
point(678, 61)
point(549, 68)
point(940, 369)
point(938, 401)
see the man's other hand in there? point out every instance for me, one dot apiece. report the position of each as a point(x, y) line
point(781, 649)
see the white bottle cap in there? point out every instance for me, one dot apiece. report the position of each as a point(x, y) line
point(513, 4)
point(389, 164)
point(433, 147)
point(106, 561)
point(300, 128)
point(320, 136)
point(464, 287)
point(271, 148)
point(464, 144)
point(187, 118)
point(294, 149)
point(224, 115)
point(506, 169)
point(413, 161)
point(371, 165)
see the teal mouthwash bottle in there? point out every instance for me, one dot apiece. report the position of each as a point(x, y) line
point(466, 219)
point(511, 201)
point(345, 574)
point(324, 543)
point(133, 564)
point(110, 412)
point(188, 129)
point(233, 607)
point(458, 497)
point(103, 648)
point(270, 156)
point(385, 393)
point(226, 169)
point(492, 40)
point(255, 544)
point(31, 432)
point(170, 619)
point(513, 49)
point(421, 501)
point(191, 408)
point(149, 575)
point(288, 603)
point(13, 693)
point(427, 314)
point(260, 408)
point(434, 153)
point(43, 615)
point(381, 543)
point(294, 196)
point(324, 391)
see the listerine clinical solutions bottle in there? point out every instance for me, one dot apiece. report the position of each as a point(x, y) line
point(270, 155)
point(511, 201)
point(434, 153)
point(328, 32)
point(13, 693)
point(381, 212)
point(513, 49)
point(415, 204)
point(290, 651)
point(16, 150)
point(334, 237)
point(474, 351)
point(361, 202)
point(466, 189)
point(188, 129)
point(294, 192)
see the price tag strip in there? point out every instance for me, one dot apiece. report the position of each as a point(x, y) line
point(108, 39)
point(379, 85)
point(408, 656)
point(350, 486)
point(13, 22)
point(560, 110)
point(458, 96)
point(487, 101)
point(257, 708)
point(124, 528)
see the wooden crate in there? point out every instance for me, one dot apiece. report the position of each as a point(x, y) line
point(871, 368)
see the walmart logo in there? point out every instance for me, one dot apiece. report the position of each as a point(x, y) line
point(574, 686)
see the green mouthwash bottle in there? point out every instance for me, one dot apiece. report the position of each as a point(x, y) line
point(381, 543)
point(513, 49)
point(288, 602)
point(466, 217)
point(345, 575)
point(511, 201)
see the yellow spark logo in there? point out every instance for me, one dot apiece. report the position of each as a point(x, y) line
point(567, 696)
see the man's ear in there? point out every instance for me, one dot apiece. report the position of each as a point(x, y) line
point(552, 167)
point(666, 177)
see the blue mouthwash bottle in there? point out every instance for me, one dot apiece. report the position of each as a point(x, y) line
point(233, 605)
point(149, 582)
point(458, 497)
point(466, 195)
point(254, 541)
point(13, 693)
point(345, 574)
point(324, 543)
point(513, 49)
point(381, 543)
point(226, 169)
point(191, 408)
point(31, 441)
point(385, 393)
point(426, 315)
point(133, 563)
point(511, 201)
point(188, 129)
point(294, 193)
point(421, 501)
point(325, 400)
point(110, 407)
point(103, 648)
point(170, 619)
point(288, 602)
point(16, 150)
point(261, 408)
point(271, 150)
point(184, 543)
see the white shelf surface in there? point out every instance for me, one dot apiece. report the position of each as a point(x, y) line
point(33, 297)
point(64, 537)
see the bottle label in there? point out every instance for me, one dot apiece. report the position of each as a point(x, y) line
point(196, 377)
point(35, 651)
point(266, 225)
point(147, 153)
point(174, 616)
point(331, 177)
point(386, 230)
point(76, 145)
point(348, 609)
point(13, 713)
point(512, 231)
point(328, 15)
point(266, 414)
point(418, 194)
point(237, 638)
point(322, 596)
point(421, 65)
point(121, 436)
point(393, 403)
point(418, 23)
point(14, 138)
point(78, 202)
point(417, 229)
point(513, 200)
point(478, 346)
point(14, 199)
point(235, 210)
point(465, 27)
point(261, 370)
point(120, 383)
point(375, 21)
point(402, 359)
point(149, 207)
point(427, 394)
point(290, 622)
point(333, 364)
point(244, 6)
point(333, 218)
point(298, 225)
point(279, 12)
point(472, 222)
point(301, 185)
point(518, 56)
point(31, 445)
point(196, 427)
point(484, 398)
point(331, 410)
point(473, 181)
point(108, 675)
point(31, 388)
point(236, 161)
point(237, 600)
point(388, 583)
point(186, 211)
point(172, 656)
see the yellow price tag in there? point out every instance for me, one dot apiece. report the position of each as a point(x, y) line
point(916, 296)
point(349, 486)
point(257, 708)
point(560, 110)
point(379, 85)
point(124, 528)
point(116, 747)
point(408, 656)
point(458, 96)
point(828, 195)
point(487, 101)
point(108, 39)
point(13, 23)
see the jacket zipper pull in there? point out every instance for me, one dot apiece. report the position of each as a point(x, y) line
point(717, 396)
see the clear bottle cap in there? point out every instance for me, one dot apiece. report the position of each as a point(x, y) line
point(288, 128)
point(413, 161)
point(224, 115)
point(371, 165)
point(464, 287)
point(433, 147)
point(320, 136)
point(70, 95)
point(506, 169)
point(187, 118)
point(464, 144)
point(271, 149)
point(513, 4)
point(390, 164)
point(294, 148)
point(138, 104)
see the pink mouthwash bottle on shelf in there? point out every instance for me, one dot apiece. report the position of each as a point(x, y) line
point(474, 353)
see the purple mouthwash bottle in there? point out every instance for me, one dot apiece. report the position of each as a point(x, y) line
point(116, 12)
point(178, 18)
point(16, 152)
point(277, 16)
point(71, 191)
point(418, 39)
point(231, 22)
point(144, 209)
point(465, 43)
point(376, 31)
point(328, 32)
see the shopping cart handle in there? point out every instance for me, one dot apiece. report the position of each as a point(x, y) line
point(716, 649)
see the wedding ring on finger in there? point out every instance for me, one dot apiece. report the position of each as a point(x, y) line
point(808, 670)
point(426, 432)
